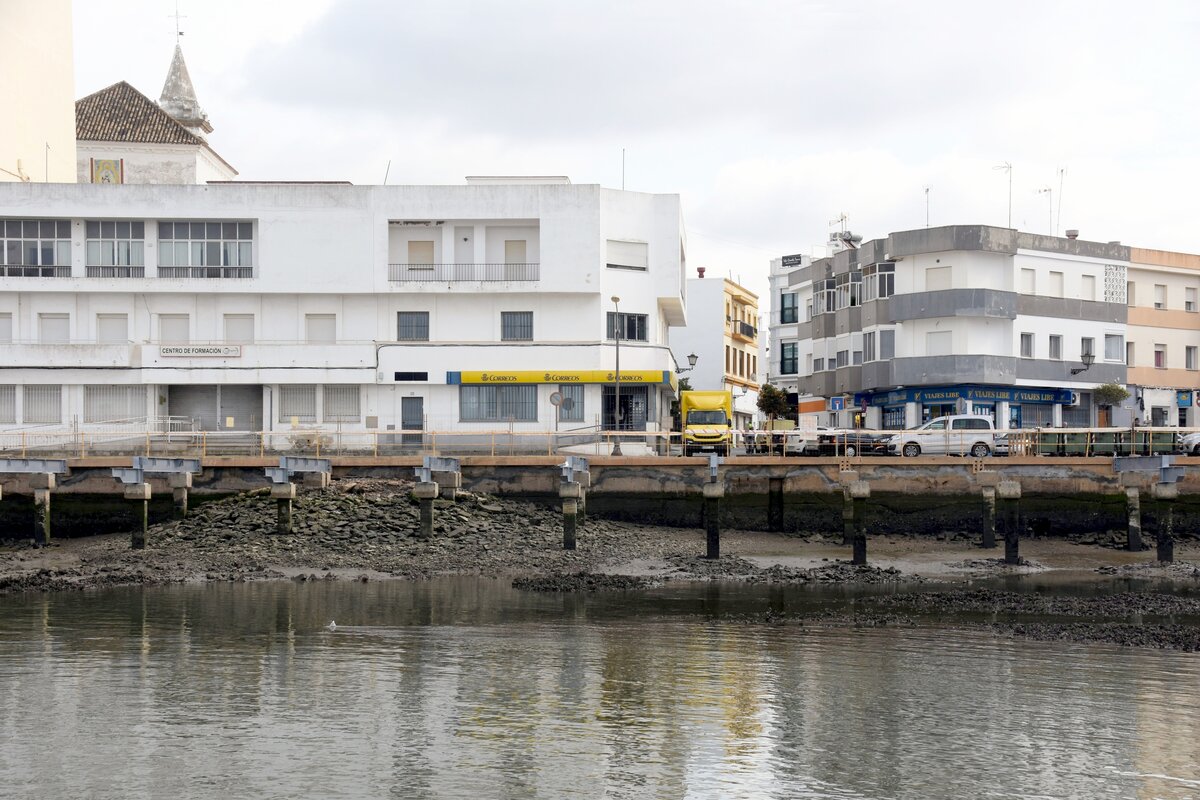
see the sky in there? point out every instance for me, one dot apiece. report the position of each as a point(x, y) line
point(771, 120)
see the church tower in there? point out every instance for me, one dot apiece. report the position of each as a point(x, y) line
point(179, 98)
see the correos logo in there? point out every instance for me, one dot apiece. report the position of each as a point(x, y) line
point(486, 378)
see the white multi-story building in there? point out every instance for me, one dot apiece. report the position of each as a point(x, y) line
point(270, 307)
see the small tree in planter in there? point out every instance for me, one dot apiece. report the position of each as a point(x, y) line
point(1110, 394)
point(773, 402)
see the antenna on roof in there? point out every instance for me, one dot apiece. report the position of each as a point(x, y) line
point(177, 16)
point(387, 171)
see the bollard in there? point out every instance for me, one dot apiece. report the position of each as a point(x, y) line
point(43, 484)
point(1165, 495)
point(1133, 510)
point(180, 483)
point(315, 480)
point(859, 492)
point(448, 484)
point(569, 492)
point(140, 493)
point(284, 494)
point(713, 492)
point(1008, 502)
point(425, 492)
point(989, 518)
point(775, 504)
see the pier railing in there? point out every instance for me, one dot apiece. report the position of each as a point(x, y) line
point(169, 442)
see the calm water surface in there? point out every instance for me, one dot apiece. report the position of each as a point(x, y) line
point(466, 688)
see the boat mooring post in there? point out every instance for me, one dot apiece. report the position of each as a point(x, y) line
point(1008, 512)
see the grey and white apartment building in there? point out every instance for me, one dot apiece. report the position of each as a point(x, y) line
point(894, 331)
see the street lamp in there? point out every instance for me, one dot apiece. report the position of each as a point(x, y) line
point(616, 451)
point(1088, 359)
point(692, 359)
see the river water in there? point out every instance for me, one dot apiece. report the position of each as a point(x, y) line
point(467, 688)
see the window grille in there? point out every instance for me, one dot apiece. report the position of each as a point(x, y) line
point(498, 403)
point(299, 402)
point(341, 404)
point(571, 409)
point(43, 404)
point(8, 404)
point(113, 403)
point(516, 326)
point(413, 326)
point(632, 326)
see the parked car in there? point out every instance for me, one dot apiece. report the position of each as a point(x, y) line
point(958, 434)
point(851, 442)
point(1189, 444)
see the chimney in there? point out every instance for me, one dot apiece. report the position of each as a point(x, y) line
point(1072, 233)
point(700, 272)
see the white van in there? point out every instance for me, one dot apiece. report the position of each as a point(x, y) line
point(958, 435)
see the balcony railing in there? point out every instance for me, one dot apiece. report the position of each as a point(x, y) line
point(744, 329)
point(116, 272)
point(449, 273)
point(23, 271)
point(206, 272)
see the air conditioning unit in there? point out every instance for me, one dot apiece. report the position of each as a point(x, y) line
point(1074, 399)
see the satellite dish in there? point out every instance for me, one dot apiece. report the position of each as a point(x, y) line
point(556, 398)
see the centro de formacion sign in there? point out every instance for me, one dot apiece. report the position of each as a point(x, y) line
point(200, 350)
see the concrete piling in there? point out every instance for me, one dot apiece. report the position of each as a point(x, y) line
point(315, 480)
point(858, 492)
point(426, 492)
point(1165, 495)
point(140, 494)
point(180, 483)
point(713, 492)
point(448, 484)
point(584, 479)
point(1008, 502)
point(1133, 525)
point(989, 518)
point(570, 492)
point(284, 494)
point(43, 485)
point(775, 505)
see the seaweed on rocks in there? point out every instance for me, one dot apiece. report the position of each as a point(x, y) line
point(583, 582)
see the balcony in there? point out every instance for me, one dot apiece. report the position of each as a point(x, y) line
point(206, 272)
point(116, 272)
point(462, 273)
point(23, 271)
point(744, 330)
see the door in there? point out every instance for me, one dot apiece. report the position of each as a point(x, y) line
point(240, 407)
point(197, 403)
point(412, 418)
point(464, 252)
point(635, 407)
point(932, 437)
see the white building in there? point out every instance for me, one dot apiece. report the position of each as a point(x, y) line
point(269, 307)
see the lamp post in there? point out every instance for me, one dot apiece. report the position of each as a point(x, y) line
point(1088, 359)
point(616, 451)
point(692, 359)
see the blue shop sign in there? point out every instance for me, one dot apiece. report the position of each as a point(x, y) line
point(1183, 399)
point(950, 394)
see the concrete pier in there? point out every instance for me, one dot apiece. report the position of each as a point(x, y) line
point(315, 480)
point(713, 492)
point(426, 492)
point(988, 541)
point(1133, 525)
point(569, 492)
point(1165, 495)
point(584, 479)
point(1008, 511)
point(859, 492)
point(448, 484)
point(284, 494)
point(180, 482)
point(139, 493)
point(43, 486)
point(775, 504)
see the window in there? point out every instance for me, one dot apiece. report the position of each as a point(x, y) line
point(514, 251)
point(1056, 347)
point(856, 358)
point(341, 404)
point(847, 290)
point(939, 343)
point(1160, 296)
point(6, 328)
point(1026, 345)
point(298, 403)
point(788, 361)
point(497, 403)
point(54, 328)
point(239, 328)
point(1189, 357)
point(1087, 345)
point(320, 328)
point(1160, 356)
point(412, 326)
point(43, 404)
point(970, 424)
point(570, 409)
point(824, 296)
point(1028, 281)
point(869, 346)
point(173, 329)
point(808, 305)
point(887, 345)
point(937, 279)
point(1129, 285)
point(205, 250)
point(410, 377)
point(787, 308)
point(727, 351)
point(631, 326)
point(116, 249)
point(628, 255)
point(818, 365)
point(879, 281)
point(1129, 353)
point(1056, 284)
point(842, 359)
point(113, 403)
point(112, 328)
point(1087, 287)
point(516, 326)
point(1114, 344)
point(421, 252)
point(35, 248)
point(1189, 299)
point(8, 404)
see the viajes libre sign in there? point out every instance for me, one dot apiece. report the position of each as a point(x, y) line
point(200, 350)
point(564, 376)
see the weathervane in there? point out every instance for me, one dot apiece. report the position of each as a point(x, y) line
point(177, 17)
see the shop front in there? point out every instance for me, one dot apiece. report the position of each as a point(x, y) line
point(1007, 406)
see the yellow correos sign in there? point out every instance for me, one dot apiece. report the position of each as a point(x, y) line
point(568, 376)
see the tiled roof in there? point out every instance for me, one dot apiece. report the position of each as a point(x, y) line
point(121, 113)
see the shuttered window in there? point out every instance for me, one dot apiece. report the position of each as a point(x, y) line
point(341, 404)
point(173, 329)
point(412, 326)
point(54, 328)
point(320, 328)
point(420, 252)
point(43, 404)
point(239, 328)
point(498, 403)
point(8, 404)
point(299, 402)
point(628, 255)
point(113, 403)
point(6, 328)
point(516, 326)
point(112, 328)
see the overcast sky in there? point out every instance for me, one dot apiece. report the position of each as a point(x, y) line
point(770, 119)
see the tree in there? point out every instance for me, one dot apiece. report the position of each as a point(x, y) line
point(773, 402)
point(1110, 394)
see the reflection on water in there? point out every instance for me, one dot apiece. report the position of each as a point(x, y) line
point(464, 687)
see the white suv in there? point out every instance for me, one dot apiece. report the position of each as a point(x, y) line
point(961, 434)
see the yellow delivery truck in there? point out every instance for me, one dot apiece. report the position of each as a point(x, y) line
point(707, 422)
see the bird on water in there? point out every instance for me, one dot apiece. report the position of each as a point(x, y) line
point(332, 626)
